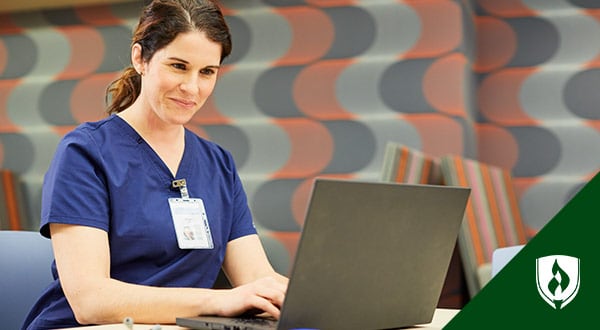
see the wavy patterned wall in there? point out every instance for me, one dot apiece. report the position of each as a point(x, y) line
point(54, 67)
point(312, 88)
point(538, 100)
point(318, 87)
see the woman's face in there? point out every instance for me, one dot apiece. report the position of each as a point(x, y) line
point(179, 77)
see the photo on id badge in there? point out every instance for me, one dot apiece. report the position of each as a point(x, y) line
point(191, 224)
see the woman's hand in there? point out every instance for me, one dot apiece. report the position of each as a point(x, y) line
point(263, 295)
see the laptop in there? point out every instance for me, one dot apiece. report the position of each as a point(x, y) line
point(372, 255)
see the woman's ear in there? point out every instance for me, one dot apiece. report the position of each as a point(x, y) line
point(136, 58)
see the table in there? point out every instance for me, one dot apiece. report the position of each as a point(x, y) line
point(441, 317)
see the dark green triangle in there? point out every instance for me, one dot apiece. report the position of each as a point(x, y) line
point(511, 299)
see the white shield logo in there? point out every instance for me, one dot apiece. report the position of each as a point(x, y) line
point(557, 278)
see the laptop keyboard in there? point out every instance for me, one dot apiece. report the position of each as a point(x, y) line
point(253, 323)
point(241, 323)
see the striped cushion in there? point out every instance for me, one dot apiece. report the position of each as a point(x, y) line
point(407, 165)
point(492, 217)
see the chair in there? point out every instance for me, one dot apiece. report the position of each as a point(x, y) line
point(407, 165)
point(25, 259)
point(12, 202)
point(492, 216)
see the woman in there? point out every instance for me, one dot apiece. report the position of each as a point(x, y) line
point(118, 191)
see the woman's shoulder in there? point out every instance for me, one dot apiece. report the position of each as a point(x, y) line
point(207, 147)
point(201, 142)
point(96, 130)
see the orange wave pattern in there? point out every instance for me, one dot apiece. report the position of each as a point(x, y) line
point(317, 88)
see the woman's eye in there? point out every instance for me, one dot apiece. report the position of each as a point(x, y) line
point(207, 71)
point(178, 66)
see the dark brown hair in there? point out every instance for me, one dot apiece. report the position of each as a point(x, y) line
point(160, 23)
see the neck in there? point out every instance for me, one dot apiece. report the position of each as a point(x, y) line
point(151, 127)
point(167, 140)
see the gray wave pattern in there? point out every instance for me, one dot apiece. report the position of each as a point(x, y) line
point(379, 89)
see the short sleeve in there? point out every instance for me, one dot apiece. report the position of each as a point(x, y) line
point(74, 189)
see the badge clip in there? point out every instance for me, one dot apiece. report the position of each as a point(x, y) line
point(181, 184)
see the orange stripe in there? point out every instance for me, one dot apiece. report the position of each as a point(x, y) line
point(289, 240)
point(462, 179)
point(493, 204)
point(402, 163)
point(426, 170)
point(530, 232)
point(11, 200)
point(514, 207)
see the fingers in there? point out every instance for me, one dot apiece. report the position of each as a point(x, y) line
point(261, 305)
point(264, 295)
point(272, 290)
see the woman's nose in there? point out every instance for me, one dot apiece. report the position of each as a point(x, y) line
point(190, 84)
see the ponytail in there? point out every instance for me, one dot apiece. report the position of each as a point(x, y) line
point(122, 92)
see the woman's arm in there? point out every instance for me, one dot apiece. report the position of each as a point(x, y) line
point(246, 262)
point(83, 263)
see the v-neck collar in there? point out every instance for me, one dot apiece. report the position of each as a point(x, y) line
point(161, 167)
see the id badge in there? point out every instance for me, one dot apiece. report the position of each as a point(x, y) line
point(191, 223)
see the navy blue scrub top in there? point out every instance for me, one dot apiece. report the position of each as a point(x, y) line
point(104, 175)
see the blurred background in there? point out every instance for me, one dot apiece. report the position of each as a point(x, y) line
point(318, 87)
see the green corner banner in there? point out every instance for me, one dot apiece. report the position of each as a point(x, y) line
point(553, 282)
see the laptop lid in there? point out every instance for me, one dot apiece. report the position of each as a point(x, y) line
point(372, 255)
